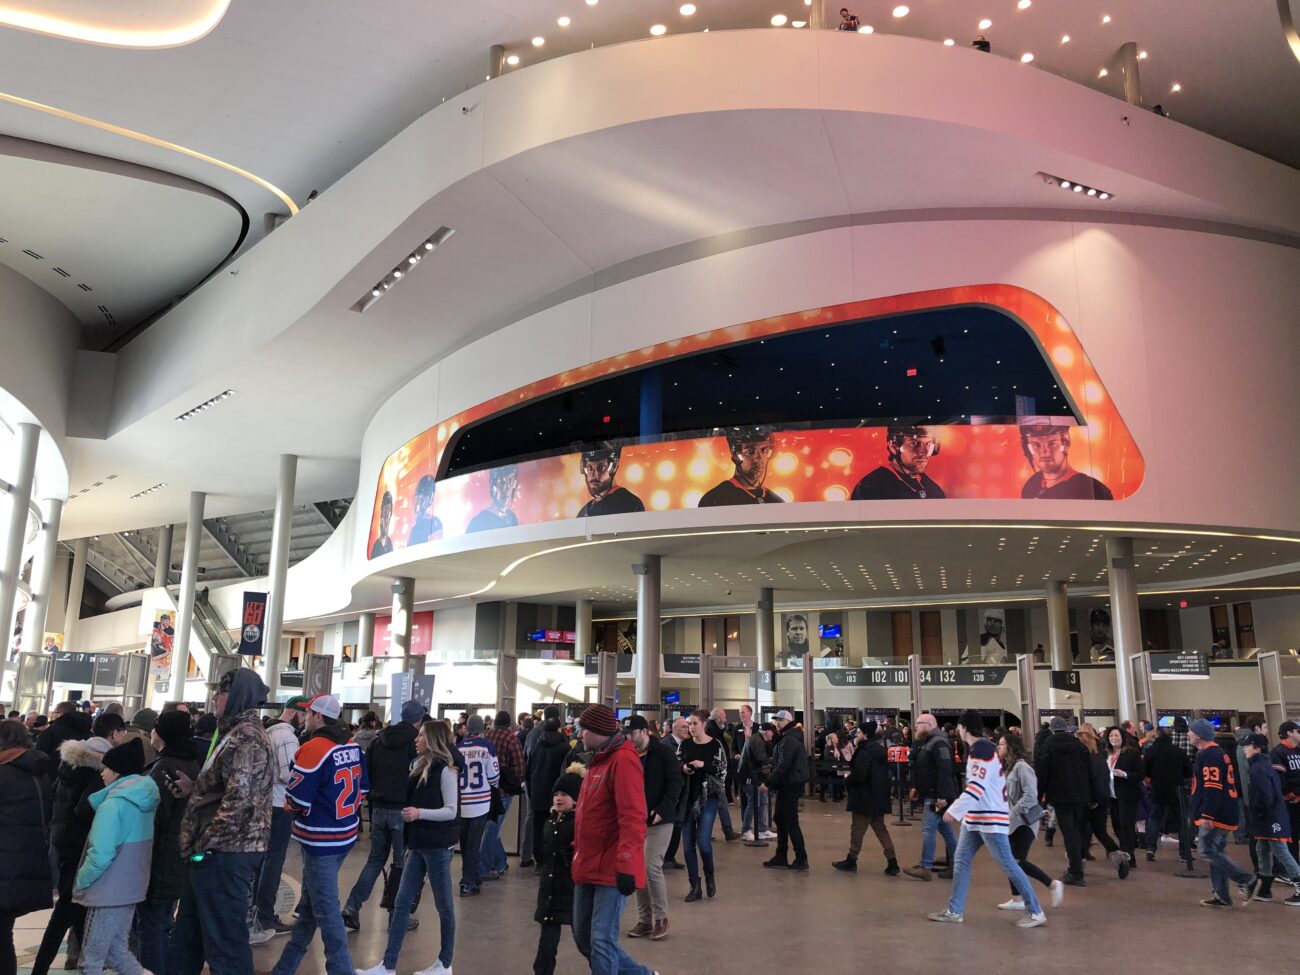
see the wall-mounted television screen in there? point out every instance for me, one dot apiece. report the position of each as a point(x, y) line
point(829, 631)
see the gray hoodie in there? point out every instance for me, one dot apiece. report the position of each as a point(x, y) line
point(1022, 797)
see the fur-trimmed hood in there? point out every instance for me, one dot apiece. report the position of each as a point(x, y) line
point(85, 754)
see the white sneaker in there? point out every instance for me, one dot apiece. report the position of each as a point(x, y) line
point(767, 834)
point(437, 968)
point(748, 836)
point(1058, 893)
point(260, 936)
point(377, 970)
point(1015, 904)
point(1032, 921)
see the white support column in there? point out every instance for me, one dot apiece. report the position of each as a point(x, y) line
point(647, 633)
point(277, 571)
point(399, 633)
point(42, 574)
point(765, 630)
point(582, 627)
point(1058, 637)
point(1126, 622)
point(163, 561)
point(76, 588)
point(20, 499)
point(366, 636)
point(185, 599)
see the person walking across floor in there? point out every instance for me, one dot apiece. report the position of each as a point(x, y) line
point(432, 802)
point(933, 784)
point(868, 791)
point(1167, 768)
point(25, 807)
point(542, 767)
point(510, 758)
point(1026, 813)
point(1125, 764)
point(528, 853)
point(480, 774)
point(985, 818)
point(1099, 808)
point(1065, 780)
point(1215, 812)
point(1286, 761)
point(1267, 822)
point(388, 768)
point(283, 734)
point(608, 843)
point(703, 761)
point(555, 889)
point(720, 731)
point(789, 775)
point(665, 803)
point(755, 764)
point(677, 733)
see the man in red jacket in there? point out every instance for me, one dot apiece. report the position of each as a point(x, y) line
point(608, 843)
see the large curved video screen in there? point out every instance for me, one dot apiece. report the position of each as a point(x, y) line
point(973, 392)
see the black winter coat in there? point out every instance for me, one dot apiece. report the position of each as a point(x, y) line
point(932, 774)
point(25, 880)
point(789, 760)
point(1129, 786)
point(868, 780)
point(548, 759)
point(1065, 771)
point(167, 868)
point(66, 727)
point(555, 891)
point(1168, 768)
point(664, 783)
point(1099, 776)
point(388, 764)
point(78, 780)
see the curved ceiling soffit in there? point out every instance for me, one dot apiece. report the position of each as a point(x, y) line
point(149, 24)
point(1289, 29)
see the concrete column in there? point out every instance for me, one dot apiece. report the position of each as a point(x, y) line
point(399, 633)
point(496, 60)
point(647, 631)
point(42, 573)
point(508, 640)
point(20, 499)
point(277, 571)
point(366, 636)
point(582, 628)
point(1058, 637)
point(1126, 62)
point(76, 586)
point(163, 563)
point(764, 630)
point(1126, 625)
point(185, 598)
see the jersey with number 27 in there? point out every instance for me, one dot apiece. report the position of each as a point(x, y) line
point(326, 787)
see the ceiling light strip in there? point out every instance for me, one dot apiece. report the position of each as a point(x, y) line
point(407, 264)
point(205, 405)
point(150, 140)
point(78, 30)
point(148, 491)
point(1075, 187)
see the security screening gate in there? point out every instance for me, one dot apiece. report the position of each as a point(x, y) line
point(607, 679)
point(121, 677)
point(713, 695)
point(1280, 676)
point(35, 682)
point(1028, 700)
point(507, 683)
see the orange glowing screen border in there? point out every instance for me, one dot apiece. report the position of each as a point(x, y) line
point(819, 465)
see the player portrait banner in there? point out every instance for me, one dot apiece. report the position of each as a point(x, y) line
point(253, 626)
point(1077, 448)
point(161, 639)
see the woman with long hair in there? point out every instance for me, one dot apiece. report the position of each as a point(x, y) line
point(1125, 763)
point(432, 830)
point(1026, 814)
point(704, 762)
point(1099, 812)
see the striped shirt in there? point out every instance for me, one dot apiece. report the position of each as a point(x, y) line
point(982, 806)
point(478, 776)
point(326, 788)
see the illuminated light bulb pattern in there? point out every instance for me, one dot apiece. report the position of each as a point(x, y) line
point(974, 461)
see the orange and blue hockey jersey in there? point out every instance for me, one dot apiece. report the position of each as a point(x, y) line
point(327, 785)
point(982, 805)
point(1214, 790)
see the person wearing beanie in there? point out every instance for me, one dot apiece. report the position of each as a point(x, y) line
point(1216, 813)
point(868, 787)
point(141, 724)
point(1267, 822)
point(480, 774)
point(608, 842)
point(510, 758)
point(555, 890)
point(114, 872)
point(175, 752)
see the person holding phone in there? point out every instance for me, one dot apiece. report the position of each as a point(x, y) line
point(704, 763)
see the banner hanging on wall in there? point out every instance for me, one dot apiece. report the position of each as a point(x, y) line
point(252, 631)
point(161, 640)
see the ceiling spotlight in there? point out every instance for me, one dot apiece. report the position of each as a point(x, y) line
point(538, 41)
point(658, 30)
point(1065, 38)
point(397, 274)
point(948, 42)
point(1175, 87)
point(1105, 18)
point(564, 21)
point(779, 20)
point(375, 293)
point(1026, 58)
point(1025, 4)
point(1142, 55)
point(1092, 192)
point(592, 3)
point(1102, 73)
point(866, 29)
point(512, 60)
point(798, 23)
point(902, 10)
point(686, 9)
point(203, 407)
point(1103, 196)
point(1066, 184)
point(985, 24)
point(412, 259)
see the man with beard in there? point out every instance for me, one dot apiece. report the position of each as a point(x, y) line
point(909, 450)
point(428, 526)
point(599, 465)
point(383, 544)
point(751, 451)
point(503, 487)
point(1047, 448)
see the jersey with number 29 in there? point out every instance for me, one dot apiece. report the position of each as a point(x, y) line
point(326, 787)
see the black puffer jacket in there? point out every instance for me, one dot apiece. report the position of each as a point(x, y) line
point(931, 760)
point(66, 727)
point(555, 891)
point(167, 868)
point(78, 779)
point(544, 766)
point(1168, 768)
point(1065, 771)
point(388, 763)
point(789, 760)
point(25, 881)
point(868, 780)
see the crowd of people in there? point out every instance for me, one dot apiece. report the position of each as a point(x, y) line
point(160, 843)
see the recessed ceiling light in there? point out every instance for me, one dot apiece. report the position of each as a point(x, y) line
point(866, 29)
point(948, 42)
point(1065, 38)
point(1175, 87)
point(686, 9)
point(985, 24)
point(564, 21)
point(1102, 73)
point(902, 10)
point(538, 41)
point(1142, 55)
point(512, 60)
point(592, 3)
point(779, 20)
point(798, 23)
point(1025, 4)
point(658, 30)
point(1105, 18)
point(1026, 57)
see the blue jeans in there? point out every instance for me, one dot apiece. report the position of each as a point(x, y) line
point(724, 817)
point(1000, 848)
point(212, 918)
point(386, 837)
point(492, 852)
point(1275, 860)
point(597, 911)
point(268, 878)
point(319, 907)
point(1156, 827)
point(932, 820)
point(153, 926)
point(437, 865)
point(757, 800)
point(697, 831)
point(1211, 842)
point(471, 840)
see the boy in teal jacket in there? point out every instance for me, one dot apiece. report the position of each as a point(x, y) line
point(114, 872)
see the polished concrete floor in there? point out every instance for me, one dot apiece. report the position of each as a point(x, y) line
point(771, 920)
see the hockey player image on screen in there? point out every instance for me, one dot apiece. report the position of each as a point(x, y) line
point(751, 453)
point(599, 465)
point(902, 476)
point(427, 526)
point(383, 544)
point(503, 488)
point(796, 640)
point(1046, 444)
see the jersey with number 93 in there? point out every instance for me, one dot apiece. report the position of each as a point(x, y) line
point(326, 788)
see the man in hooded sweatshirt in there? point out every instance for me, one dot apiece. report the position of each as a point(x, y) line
point(114, 872)
point(224, 833)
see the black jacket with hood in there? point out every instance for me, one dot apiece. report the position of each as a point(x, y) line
point(1065, 771)
point(73, 726)
point(77, 780)
point(388, 763)
point(789, 759)
point(25, 880)
point(545, 763)
point(167, 869)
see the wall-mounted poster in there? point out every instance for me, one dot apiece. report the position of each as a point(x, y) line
point(993, 635)
point(795, 644)
point(973, 392)
point(53, 643)
point(161, 639)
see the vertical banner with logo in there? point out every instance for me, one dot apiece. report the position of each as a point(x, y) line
point(251, 630)
point(161, 639)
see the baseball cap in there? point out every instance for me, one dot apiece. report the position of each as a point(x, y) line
point(1259, 741)
point(636, 722)
point(298, 702)
point(767, 726)
point(1286, 727)
point(783, 716)
point(326, 705)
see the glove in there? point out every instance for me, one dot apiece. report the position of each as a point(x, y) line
point(626, 884)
